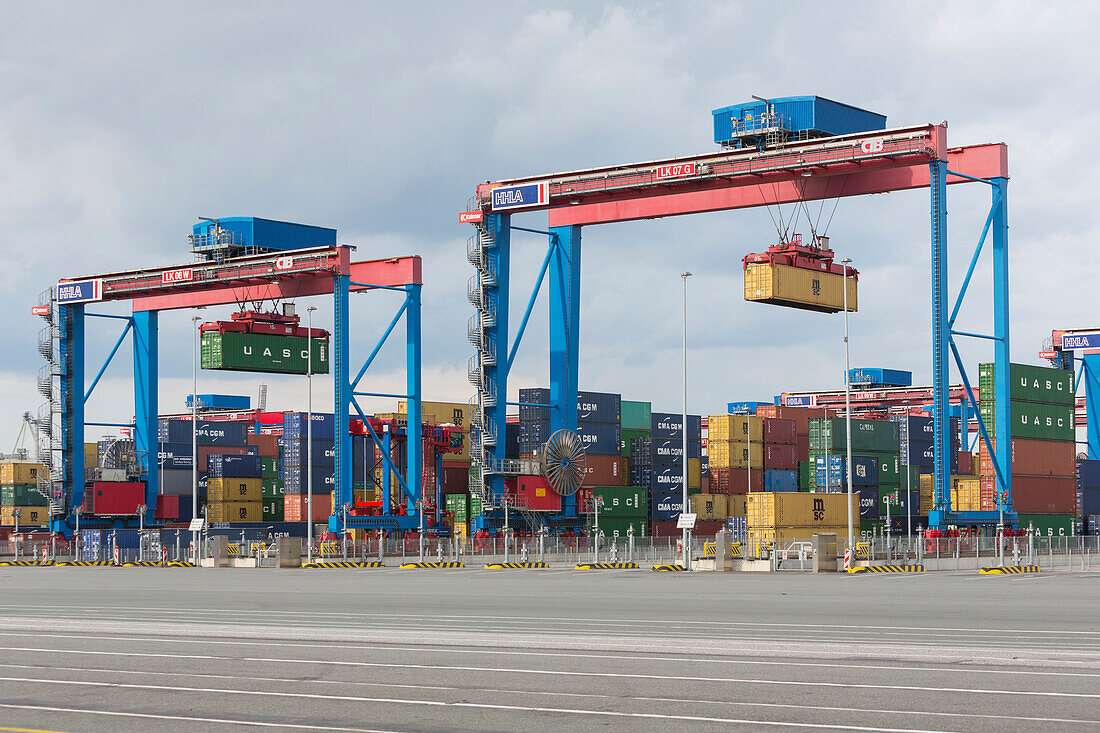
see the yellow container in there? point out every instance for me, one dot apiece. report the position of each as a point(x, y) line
point(771, 510)
point(235, 489)
point(734, 454)
point(966, 494)
point(461, 530)
point(91, 455)
point(709, 506)
point(440, 413)
point(760, 536)
point(21, 472)
point(734, 427)
point(234, 511)
point(736, 505)
point(29, 516)
point(797, 287)
point(695, 473)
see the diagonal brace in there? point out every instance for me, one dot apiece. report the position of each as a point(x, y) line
point(381, 341)
point(977, 253)
point(531, 301)
point(981, 422)
point(129, 325)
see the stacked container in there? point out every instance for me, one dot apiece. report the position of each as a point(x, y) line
point(665, 450)
point(1044, 490)
point(1088, 495)
point(917, 456)
point(621, 508)
point(875, 447)
point(796, 516)
point(749, 453)
point(801, 417)
point(19, 490)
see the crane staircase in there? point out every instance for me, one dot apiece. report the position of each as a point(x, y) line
point(47, 423)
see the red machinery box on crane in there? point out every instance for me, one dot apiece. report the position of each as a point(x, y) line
point(115, 498)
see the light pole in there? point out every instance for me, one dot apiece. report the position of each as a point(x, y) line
point(309, 433)
point(686, 537)
point(848, 405)
point(195, 435)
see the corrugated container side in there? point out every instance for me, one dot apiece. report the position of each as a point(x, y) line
point(799, 288)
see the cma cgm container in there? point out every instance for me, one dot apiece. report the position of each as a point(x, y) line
point(257, 352)
point(207, 432)
point(601, 407)
point(670, 425)
point(799, 287)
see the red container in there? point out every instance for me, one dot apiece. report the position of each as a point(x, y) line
point(456, 480)
point(1034, 458)
point(534, 493)
point(966, 463)
point(779, 430)
point(783, 457)
point(168, 508)
point(708, 527)
point(1044, 494)
point(115, 498)
point(267, 445)
point(734, 481)
point(800, 415)
point(603, 471)
point(205, 451)
point(294, 507)
point(271, 418)
point(802, 447)
point(663, 529)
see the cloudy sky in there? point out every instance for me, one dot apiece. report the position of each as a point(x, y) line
point(121, 123)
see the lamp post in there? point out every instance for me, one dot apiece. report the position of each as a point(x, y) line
point(195, 435)
point(686, 537)
point(309, 433)
point(848, 405)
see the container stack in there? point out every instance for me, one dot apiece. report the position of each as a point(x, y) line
point(917, 457)
point(1088, 495)
point(635, 423)
point(741, 446)
point(1044, 487)
point(175, 459)
point(234, 490)
point(621, 509)
point(801, 417)
point(875, 455)
point(666, 469)
point(774, 517)
point(19, 491)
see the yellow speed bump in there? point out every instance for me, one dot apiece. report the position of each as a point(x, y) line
point(668, 569)
point(888, 569)
point(515, 565)
point(607, 566)
point(341, 564)
point(1012, 570)
point(419, 565)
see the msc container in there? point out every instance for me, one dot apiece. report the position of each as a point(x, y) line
point(234, 511)
point(1088, 474)
point(22, 495)
point(764, 535)
point(234, 489)
point(866, 377)
point(1033, 458)
point(736, 505)
point(533, 493)
point(1043, 494)
point(21, 472)
point(799, 510)
point(727, 454)
point(665, 506)
point(600, 407)
point(440, 413)
point(1036, 420)
point(28, 515)
point(670, 425)
point(622, 501)
point(1027, 383)
point(603, 471)
point(220, 465)
point(796, 287)
point(868, 436)
point(734, 427)
point(207, 432)
point(1048, 525)
point(114, 498)
point(709, 506)
point(257, 352)
point(780, 480)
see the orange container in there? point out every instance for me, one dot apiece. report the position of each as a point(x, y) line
point(294, 506)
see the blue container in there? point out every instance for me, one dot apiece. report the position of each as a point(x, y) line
point(665, 506)
point(868, 503)
point(1088, 501)
point(207, 432)
point(324, 452)
point(667, 478)
point(640, 475)
point(916, 428)
point(780, 480)
point(511, 440)
point(667, 450)
point(1094, 524)
point(738, 527)
point(591, 406)
point(91, 541)
point(641, 453)
point(905, 500)
point(670, 425)
point(816, 116)
point(222, 402)
point(864, 471)
point(1088, 476)
point(874, 377)
point(296, 480)
point(223, 466)
point(601, 439)
point(173, 456)
point(296, 428)
point(744, 408)
point(919, 454)
point(264, 234)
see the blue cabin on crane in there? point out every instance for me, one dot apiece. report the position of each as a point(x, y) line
point(233, 236)
point(766, 123)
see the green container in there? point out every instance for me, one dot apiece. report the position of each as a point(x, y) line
point(868, 436)
point(1028, 384)
point(269, 467)
point(622, 501)
point(21, 495)
point(273, 488)
point(636, 416)
point(1035, 420)
point(254, 352)
point(617, 528)
point(627, 436)
point(273, 510)
point(475, 506)
point(1049, 525)
point(871, 527)
point(459, 505)
point(889, 467)
point(804, 476)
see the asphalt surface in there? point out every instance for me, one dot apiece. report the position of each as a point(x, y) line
point(155, 649)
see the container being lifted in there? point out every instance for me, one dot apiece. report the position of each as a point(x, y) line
point(264, 342)
point(803, 276)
